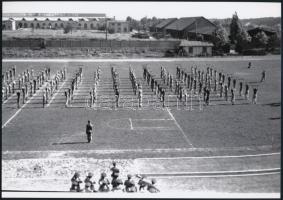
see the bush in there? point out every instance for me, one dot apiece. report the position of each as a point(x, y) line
point(254, 52)
point(111, 30)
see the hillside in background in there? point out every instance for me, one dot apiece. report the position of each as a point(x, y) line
point(272, 22)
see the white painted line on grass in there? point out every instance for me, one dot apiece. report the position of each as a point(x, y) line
point(131, 124)
point(268, 170)
point(211, 157)
point(220, 175)
point(105, 151)
point(152, 119)
point(186, 138)
point(10, 97)
point(56, 94)
point(18, 111)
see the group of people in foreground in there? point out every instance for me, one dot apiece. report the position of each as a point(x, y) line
point(103, 184)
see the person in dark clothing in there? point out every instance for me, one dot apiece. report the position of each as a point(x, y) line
point(89, 131)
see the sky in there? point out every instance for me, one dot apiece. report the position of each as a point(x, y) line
point(137, 10)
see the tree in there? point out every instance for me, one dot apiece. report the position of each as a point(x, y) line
point(238, 35)
point(273, 41)
point(144, 22)
point(221, 39)
point(261, 39)
point(234, 28)
point(68, 28)
point(129, 19)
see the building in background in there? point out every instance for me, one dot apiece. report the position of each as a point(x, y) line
point(161, 26)
point(190, 27)
point(195, 48)
point(85, 21)
point(8, 24)
point(118, 26)
point(268, 31)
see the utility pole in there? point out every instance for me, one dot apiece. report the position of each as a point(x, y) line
point(196, 29)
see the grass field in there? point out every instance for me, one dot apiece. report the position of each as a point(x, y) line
point(153, 131)
point(218, 125)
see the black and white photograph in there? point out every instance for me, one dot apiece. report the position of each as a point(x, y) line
point(142, 99)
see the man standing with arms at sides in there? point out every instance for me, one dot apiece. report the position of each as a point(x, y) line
point(254, 99)
point(89, 131)
point(24, 94)
point(233, 96)
point(43, 99)
point(34, 86)
point(262, 76)
point(226, 92)
point(67, 98)
point(18, 98)
point(241, 89)
point(247, 92)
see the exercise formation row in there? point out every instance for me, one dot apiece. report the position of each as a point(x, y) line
point(104, 185)
point(196, 82)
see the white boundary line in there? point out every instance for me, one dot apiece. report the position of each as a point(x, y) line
point(269, 170)
point(10, 97)
point(105, 151)
point(219, 175)
point(208, 157)
point(18, 111)
point(56, 94)
point(186, 138)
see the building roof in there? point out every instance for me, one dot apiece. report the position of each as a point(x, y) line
point(117, 21)
point(187, 43)
point(89, 15)
point(260, 28)
point(165, 22)
point(182, 23)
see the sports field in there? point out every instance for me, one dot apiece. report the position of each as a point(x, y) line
point(176, 141)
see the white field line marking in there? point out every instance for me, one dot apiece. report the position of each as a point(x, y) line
point(211, 157)
point(270, 170)
point(152, 119)
point(186, 138)
point(219, 175)
point(137, 150)
point(154, 127)
point(131, 124)
point(10, 97)
point(56, 94)
point(21, 108)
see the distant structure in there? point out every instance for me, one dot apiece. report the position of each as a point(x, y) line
point(8, 24)
point(86, 21)
point(268, 31)
point(187, 28)
point(195, 48)
point(118, 26)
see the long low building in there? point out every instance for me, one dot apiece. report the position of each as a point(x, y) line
point(85, 21)
point(195, 48)
point(56, 23)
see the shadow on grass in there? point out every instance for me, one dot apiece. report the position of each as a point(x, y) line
point(62, 143)
point(274, 118)
point(277, 104)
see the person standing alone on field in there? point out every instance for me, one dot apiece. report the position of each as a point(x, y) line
point(262, 76)
point(89, 131)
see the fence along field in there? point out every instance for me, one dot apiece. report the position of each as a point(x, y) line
point(113, 44)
